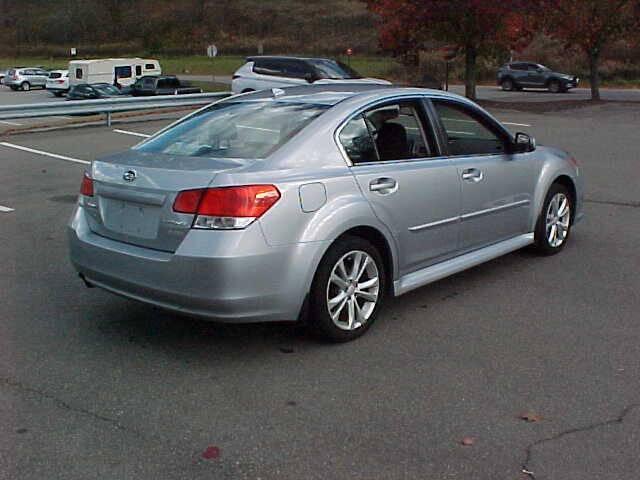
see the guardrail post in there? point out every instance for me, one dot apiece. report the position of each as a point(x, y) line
point(108, 119)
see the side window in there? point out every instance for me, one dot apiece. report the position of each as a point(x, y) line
point(268, 67)
point(78, 73)
point(532, 67)
point(518, 66)
point(397, 131)
point(123, 72)
point(466, 133)
point(149, 66)
point(148, 83)
point(296, 69)
point(138, 70)
point(357, 141)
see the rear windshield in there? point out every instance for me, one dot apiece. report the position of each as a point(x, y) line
point(106, 89)
point(55, 75)
point(333, 69)
point(244, 130)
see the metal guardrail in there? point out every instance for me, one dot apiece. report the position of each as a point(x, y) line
point(106, 106)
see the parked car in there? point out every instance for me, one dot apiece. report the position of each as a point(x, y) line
point(317, 202)
point(277, 72)
point(93, 91)
point(58, 82)
point(3, 74)
point(161, 85)
point(519, 75)
point(25, 78)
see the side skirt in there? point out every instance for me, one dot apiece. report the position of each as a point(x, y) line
point(436, 272)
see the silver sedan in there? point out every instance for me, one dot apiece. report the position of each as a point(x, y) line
point(316, 203)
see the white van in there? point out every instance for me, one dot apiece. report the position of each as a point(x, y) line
point(127, 70)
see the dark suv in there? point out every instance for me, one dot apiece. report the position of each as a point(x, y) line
point(519, 75)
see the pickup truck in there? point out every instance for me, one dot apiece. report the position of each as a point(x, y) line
point(161, 85)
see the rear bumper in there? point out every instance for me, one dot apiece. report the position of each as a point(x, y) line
point(231, 276)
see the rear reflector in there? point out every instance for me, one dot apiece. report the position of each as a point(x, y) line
point(86, 187)
point(226, 207)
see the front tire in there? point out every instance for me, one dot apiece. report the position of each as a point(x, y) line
point(555, 86)
point(554, 223)
point(348, 290)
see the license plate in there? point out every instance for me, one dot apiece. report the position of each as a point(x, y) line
point(131, 219)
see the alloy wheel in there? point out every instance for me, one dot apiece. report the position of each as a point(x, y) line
point(353, 290)
point(558, 219)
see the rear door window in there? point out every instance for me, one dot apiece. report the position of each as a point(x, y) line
point(268, 67)
point(138, 70)
point(466, 132)
point(395, 131)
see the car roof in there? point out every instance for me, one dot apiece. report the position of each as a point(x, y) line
point(334, 93)
point(253, 58)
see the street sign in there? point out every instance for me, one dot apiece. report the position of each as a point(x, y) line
point(74, 52)
point(212, 51)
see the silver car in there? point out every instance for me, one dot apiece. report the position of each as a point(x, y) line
point(315, 203)
point(26, 78)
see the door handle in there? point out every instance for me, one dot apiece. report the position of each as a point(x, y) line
point(383, 185)
point(472, 175)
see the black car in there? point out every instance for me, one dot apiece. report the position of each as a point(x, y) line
point(519, 75)
point(161, 85)
point(86, 91)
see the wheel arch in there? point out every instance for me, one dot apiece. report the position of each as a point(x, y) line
point(378, 239)
point(567, 182)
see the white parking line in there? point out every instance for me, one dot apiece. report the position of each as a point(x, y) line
point(135, 134)
point(47, 154)
point(15, 124)
point(5, 209)
point(517, 124)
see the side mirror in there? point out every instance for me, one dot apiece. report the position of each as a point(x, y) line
point(310, 77)
point(523, 143)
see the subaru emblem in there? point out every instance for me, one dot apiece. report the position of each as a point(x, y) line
point(129, 175)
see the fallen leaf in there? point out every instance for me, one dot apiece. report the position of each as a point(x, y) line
point(467, 441)
point(530, 417)
point(211, 452)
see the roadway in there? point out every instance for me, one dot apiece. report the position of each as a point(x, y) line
point(96, 386)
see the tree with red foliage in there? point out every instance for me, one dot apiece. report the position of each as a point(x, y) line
point(476, 27)
point(591, 25)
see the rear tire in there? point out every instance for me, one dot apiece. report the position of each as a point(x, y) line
point(347, 291)
point(508, 85)
point(553, 227)
point(25, 86)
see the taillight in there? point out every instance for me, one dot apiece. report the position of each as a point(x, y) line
point(573, 161)
point(226, 208)
point(86, 187)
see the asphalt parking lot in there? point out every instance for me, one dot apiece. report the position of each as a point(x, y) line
point(96, 386)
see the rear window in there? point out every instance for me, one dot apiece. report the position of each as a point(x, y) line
point(245, 130)
point(168, 83)
point(149, 66)
point(55, 75)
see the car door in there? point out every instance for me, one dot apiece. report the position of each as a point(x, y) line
point(535, 75)
point(413, 190)
point(497, 186)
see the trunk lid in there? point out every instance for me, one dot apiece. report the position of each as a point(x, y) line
point(134, 194)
